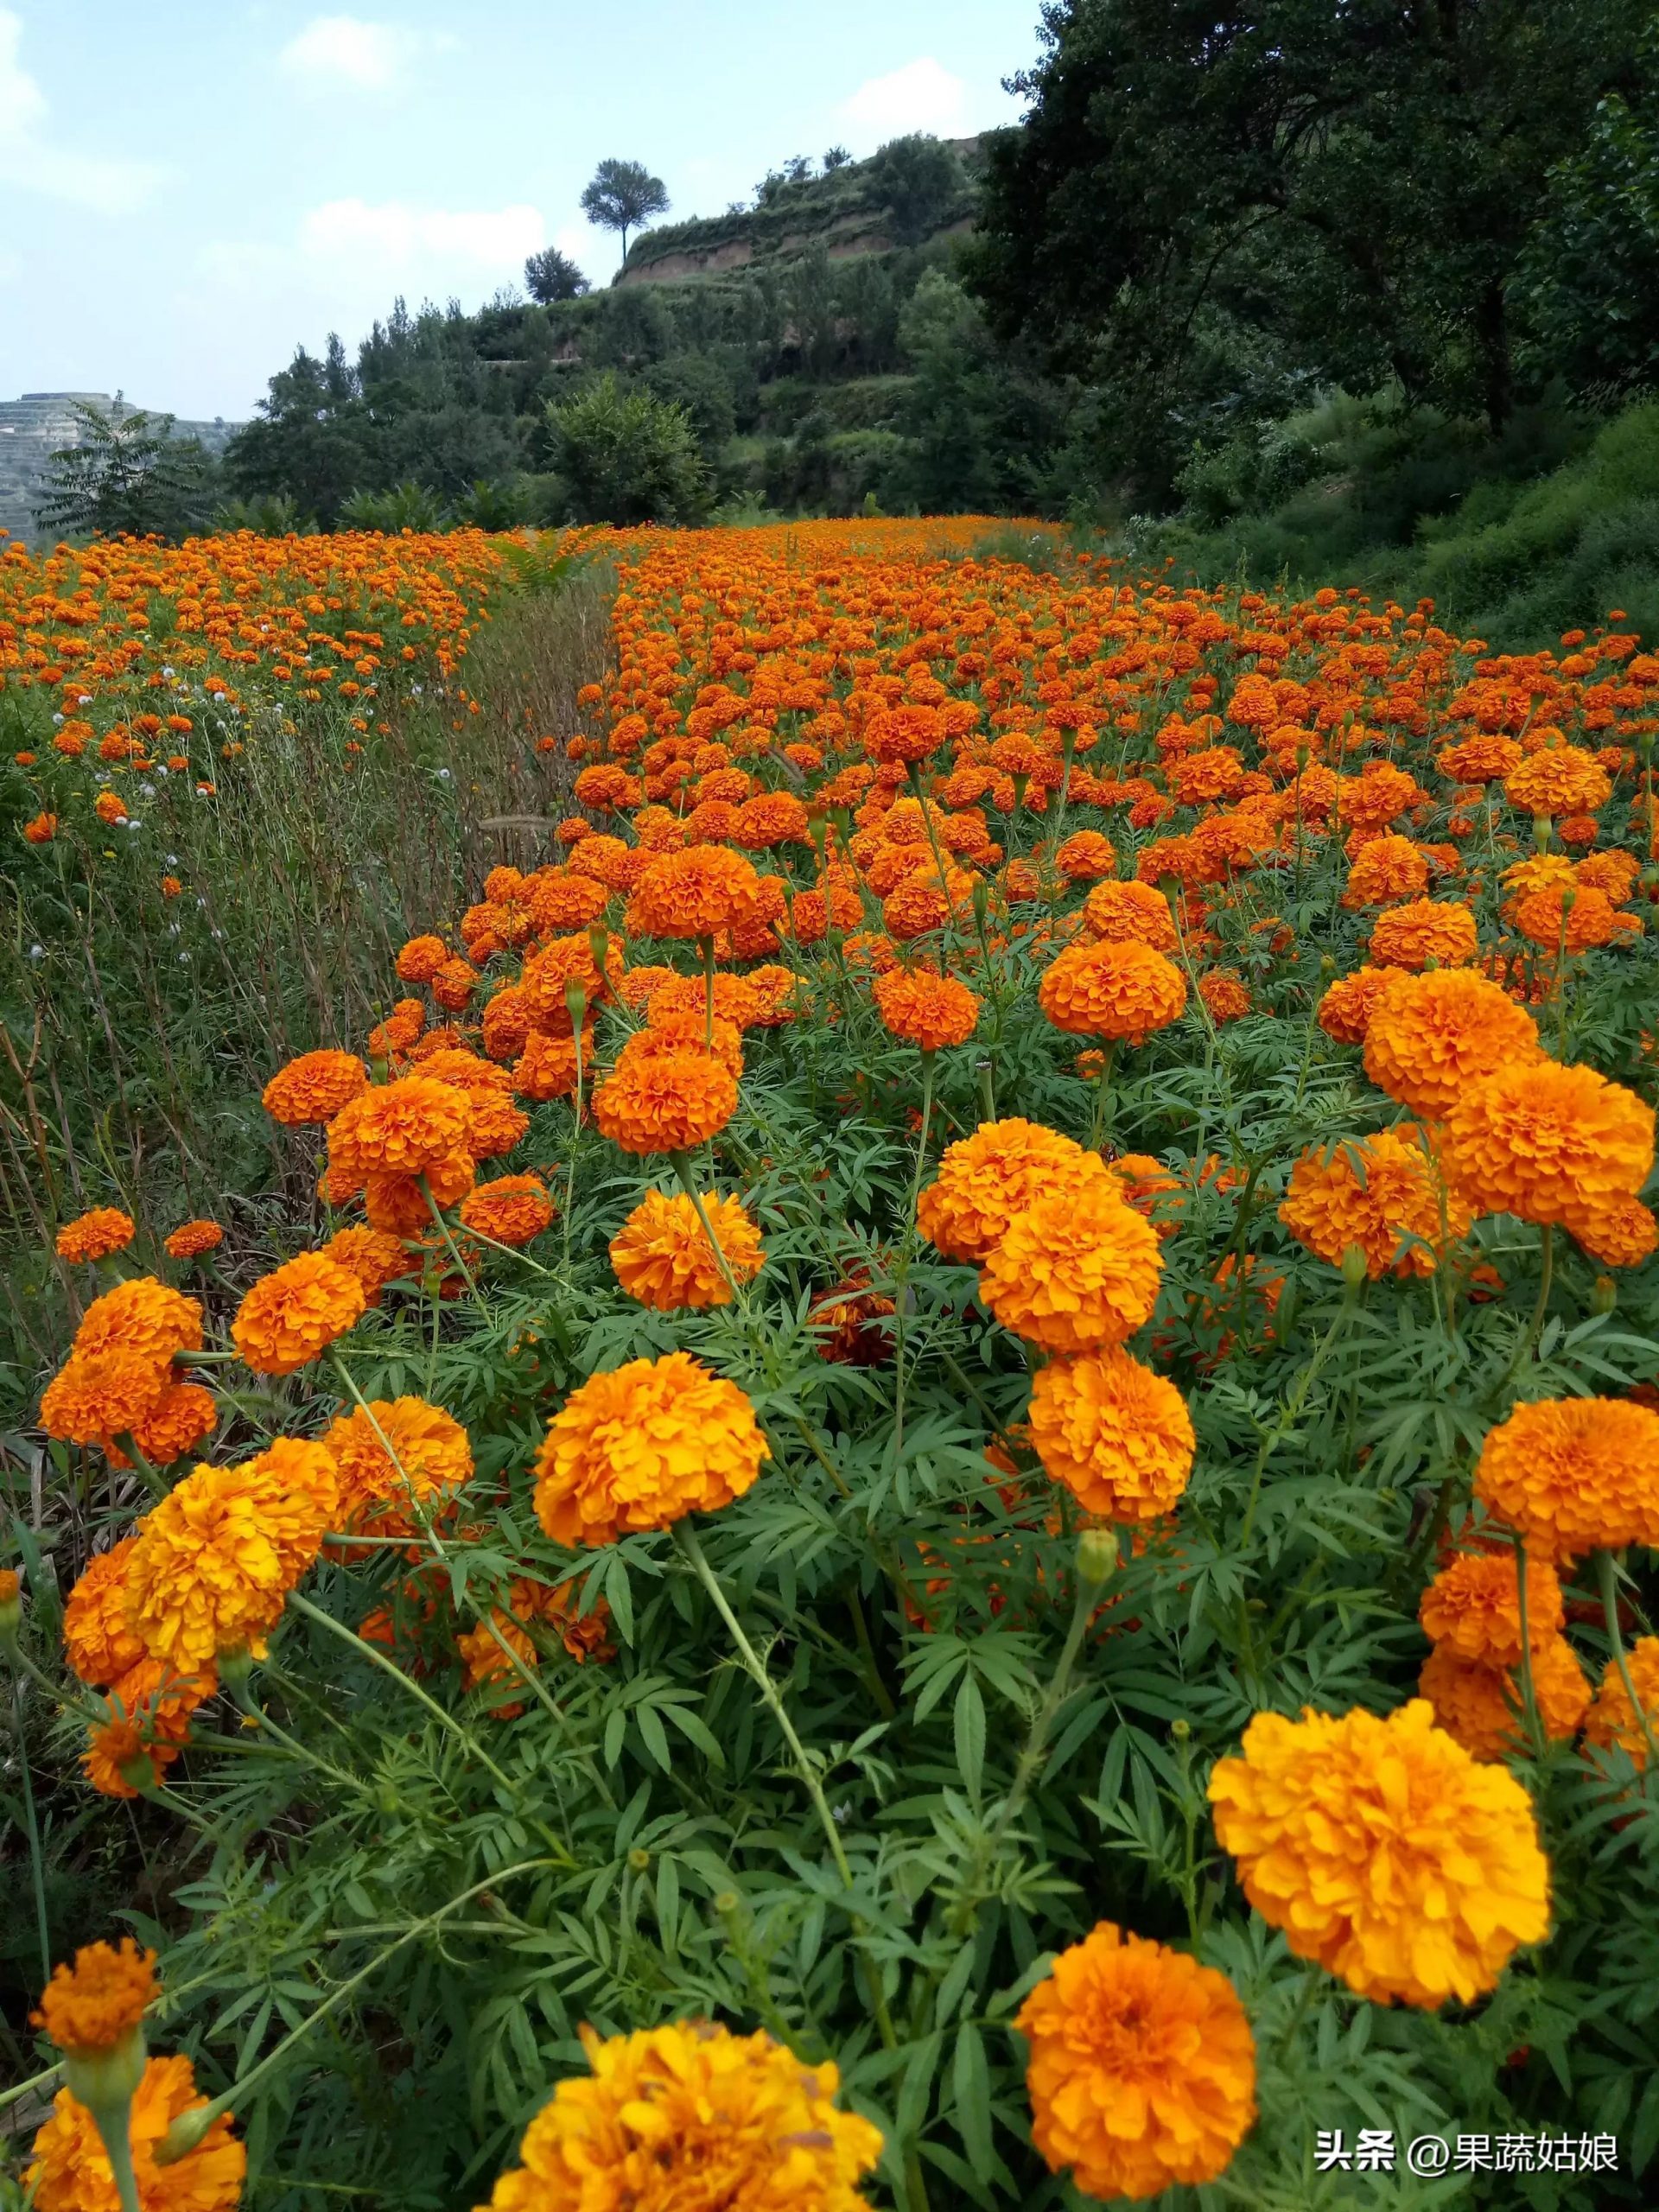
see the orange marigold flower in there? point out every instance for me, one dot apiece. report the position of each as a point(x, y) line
point(1383, 1851)
point(314, 1087)
point(98, 1640)
point(374, 1257)
point(421, 958)
point(1612, 1719)
point(1558, 779)
point(694, 894)
point(94, 2005)
point(1480, 1705)
point(403, 1127)
point(671, 1028)
point(512, 1210)
point(929, 1011)
point(1118, 912)
point(401, 1205)
point(1346, 1008)
point(144, 1317)
point(1622, 1234)
point(40, 829)
point(1472, 1607)
point(1384, 870)
point(1421, 930)
point(1142, 2066)
point(96, 1235)
point(296, 1312)
point(547, 1067)
point(1428, 1037)
point(97, 1396)
point(69, 2170)
point(1080, 1268)
point(215, 1563)
point(1381, 1193)
point(670, 1103)
point(398, 1460)
point(192, 1239)
point(641, 1447)
point(1549, 1143)
point(986, 1179)
point(1086, 856)
point(1119, 988)
point(1572, 1474)
point(663, 1258)
point(1224, 991)
point(147, 1725)
point(735, 2120)
point(1117, 1435)
point(1570, 918)
point(182, 1419)
point(303, 1476)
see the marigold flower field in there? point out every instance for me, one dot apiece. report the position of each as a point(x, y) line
point(934, 1480)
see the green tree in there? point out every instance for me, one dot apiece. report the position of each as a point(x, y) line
point(128, 475)
point(1359, 179)
point(312, 438)
point(624, 196)
point(628, 456)
point(921, 182)
point(550, 275)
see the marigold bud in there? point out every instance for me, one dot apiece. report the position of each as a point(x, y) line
point(1604, 1294)
point(1096, 1555)
point(1353, 1266)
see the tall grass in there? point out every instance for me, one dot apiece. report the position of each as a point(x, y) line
point(137, 1028)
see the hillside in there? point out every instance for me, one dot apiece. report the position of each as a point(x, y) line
point(863, 207)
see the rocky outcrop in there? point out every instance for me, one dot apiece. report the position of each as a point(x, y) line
point(40, 423)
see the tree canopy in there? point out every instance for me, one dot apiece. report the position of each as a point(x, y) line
point(550, 275)
point(622, 196)
point(129, 474)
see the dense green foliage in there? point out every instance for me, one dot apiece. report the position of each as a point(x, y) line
point(129, 473)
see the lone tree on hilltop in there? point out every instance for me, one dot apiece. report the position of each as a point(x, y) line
point(550, 275)
point(624, 196)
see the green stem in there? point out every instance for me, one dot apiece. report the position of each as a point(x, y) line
point(1042, 1722)
point(682, 1169)
point(443, 1231)
point(366, 1650)
point(1528, 1696)
point(1606, 1575)
point(111, 2122)
point(188, 2131)
point(1102, 1091)
point(35, 1865)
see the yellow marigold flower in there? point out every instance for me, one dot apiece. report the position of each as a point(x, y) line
point(96, 1235)
point(1374, 1192)
point(514, 1210)
point(1117, 989)
point(663, 1258)
point(69, 2170)
point(314, 1087)
point(1076, 1270)
point(295, 1312)
point(394, 1457)
point(1114, 913)
point(214, 1562)
point(929, 1011)
point(1142, 2067)
point(1421, 930)
point(143, 1316)
point(1549, 1143)
point(92, 2005)
point(1428, 1037)
point(304, 1476)
point(670, 1103)
point(97, 1396)
point(643, 1446)
point(1472, 1607)
point(986, 1179)
point(1572, 1474)
point(98, 1642)
point(1480, 1705)
point(1612, 1719)
point(1383, 1851)
point(691, 2116)
point(399, 1129)
point(1348, 1005)
point(1117, 1435)
point(192, 1239)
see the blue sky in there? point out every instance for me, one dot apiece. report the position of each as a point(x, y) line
point(189, 188)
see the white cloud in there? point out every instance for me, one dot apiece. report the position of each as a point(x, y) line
point(343, 53)
point(922, 96)
point(398, 236)
point(32, 161)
